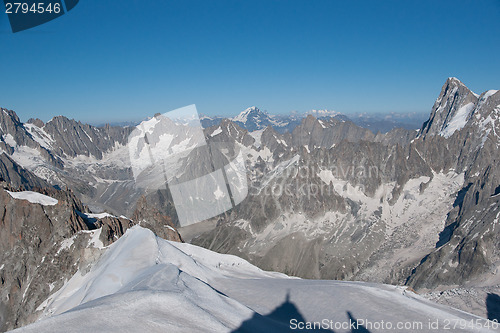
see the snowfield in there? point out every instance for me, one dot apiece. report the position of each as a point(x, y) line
point(34, 197)
point(143, 283)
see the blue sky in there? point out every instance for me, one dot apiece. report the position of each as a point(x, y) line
point(125, 60)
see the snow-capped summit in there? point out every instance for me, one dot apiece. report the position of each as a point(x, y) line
point(457, 107)
point(252, 112)
point(251, 119)
point(254, 119)
point(451, 110)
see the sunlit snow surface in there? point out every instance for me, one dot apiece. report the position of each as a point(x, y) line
point(458, 121)
point(33, 197)
point(146, 284)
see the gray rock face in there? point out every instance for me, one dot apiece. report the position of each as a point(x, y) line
point(67, 153)
point(148, 216)
point(73, 138)
point(467, 253)
point(16, 176)
point(396, 136)
point(37, 122)
point(32, 265)
point(13, 134)
point(319, 218)
point(326, 133)
point(10, 124)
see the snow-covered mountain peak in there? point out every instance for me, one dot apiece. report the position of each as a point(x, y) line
point(452, 109)
point(458, 110)
point(252, 112)
point(254, 119)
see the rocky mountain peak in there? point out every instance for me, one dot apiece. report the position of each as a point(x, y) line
point(37, 122)
point(74, 138)
point(229, 131)
point(454, 81)
point(59, 119)
point(309, 121)
point(12, 132)
point(451, 111)
point(9, 114)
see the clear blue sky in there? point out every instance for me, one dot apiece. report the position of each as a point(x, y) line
point(110, 60)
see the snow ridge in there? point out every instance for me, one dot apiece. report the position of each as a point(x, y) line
point(144, 283)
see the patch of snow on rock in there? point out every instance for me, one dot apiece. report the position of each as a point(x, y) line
point(34, 197)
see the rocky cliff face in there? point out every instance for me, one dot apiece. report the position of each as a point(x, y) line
point(13, 134)
point(46, 235)
point(72, 138)
point(467, 253)
point(148, 216)
point(18, 177)
point(34, 256)
point(93, 161)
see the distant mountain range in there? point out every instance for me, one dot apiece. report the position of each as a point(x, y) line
point(253, 119)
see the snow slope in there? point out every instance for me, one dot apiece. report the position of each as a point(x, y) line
point(458, 121)
point(146, 284)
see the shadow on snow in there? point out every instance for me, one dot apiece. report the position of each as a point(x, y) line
point(280, 319)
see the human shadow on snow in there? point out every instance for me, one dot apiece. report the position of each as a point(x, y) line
point(493, 306)
point(280, 319)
